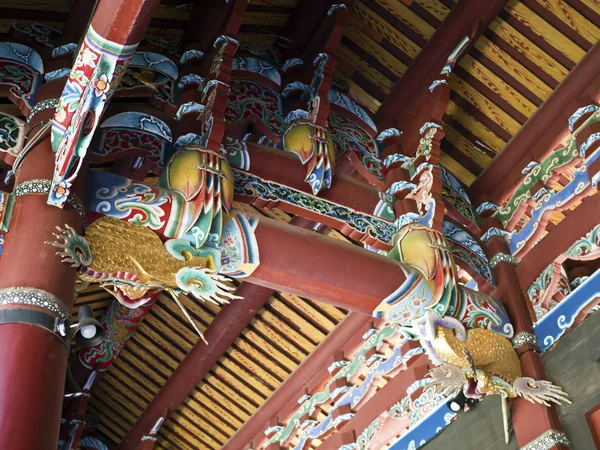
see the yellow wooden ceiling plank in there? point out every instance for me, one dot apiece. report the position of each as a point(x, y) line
point(263, 370)
point(471, 124)
point(307, 328)
point(284, 335)
point(140, 385)
point(129, 387)
point(259, 343)
point(391, 33)
point(513, 67)
point(109, 433)
point(529, 49)
point(312, 313)
point(497, 85)
point(124, 398)
point(265, 18)
point(170, 304)
point(212, 397)
point(185, 440)
point(106, 423)
point(276, 339)
point(237, 386)
point(592, 4)
point(157, 355)
point(466, 147)
point(140, 366)
point(241, 373)
point(359, 94)
point(250, 371)
point(542, 28)
point(234, 399)
point(346, 55)
point(486, 106)
point(435, 8)
point(108, 429)
point(125, 414)
point(196, 427)
point(333, 311)
point(361, 39)
point(407, 17)
point(203, 417)
point(463, 175)
point(159, 345)
point(197, 397)
point(170, 330)
point(571, 17)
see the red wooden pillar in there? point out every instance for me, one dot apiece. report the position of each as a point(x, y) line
point(33, 360)
point(530, 421)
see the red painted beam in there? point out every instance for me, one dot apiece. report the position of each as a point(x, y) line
point(467, 18)
point(221, 333)
point(542, 133)
point(323, 269)
point(310, 376)
point(574, 226)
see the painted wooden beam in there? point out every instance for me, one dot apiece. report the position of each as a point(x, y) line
point(467, 18)
point(322, 269)
point(383, 400)
point(541, 134)
point(309, 376)
point(574, 226)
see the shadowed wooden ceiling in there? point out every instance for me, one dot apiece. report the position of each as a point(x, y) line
point(507, 74)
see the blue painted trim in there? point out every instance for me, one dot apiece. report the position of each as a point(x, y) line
point(554, 324)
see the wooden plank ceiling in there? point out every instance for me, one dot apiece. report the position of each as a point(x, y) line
point(508, 73)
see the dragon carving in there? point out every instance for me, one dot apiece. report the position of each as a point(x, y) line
point(478, 361)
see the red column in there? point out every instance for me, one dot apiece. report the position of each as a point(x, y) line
point(529, 420)
point(33, 360)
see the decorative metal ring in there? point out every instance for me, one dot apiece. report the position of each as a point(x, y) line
point(547, 440)
point(503, 257)
point(523, 338)
point(36, 318)
point(42, 186)
point(34, 297)
point(44, 104)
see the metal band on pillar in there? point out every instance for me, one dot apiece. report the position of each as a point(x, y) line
point(16, 303)
point(503, 257)
point(44, 104)
point(524, 338)
point(547, 440)
point(42, 186)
